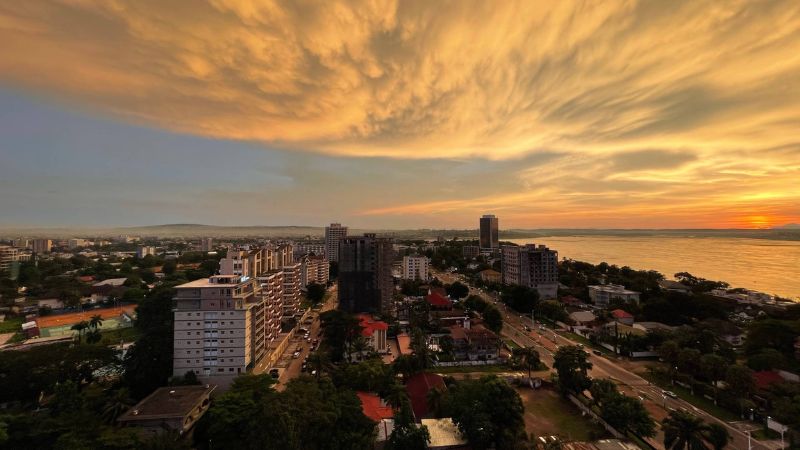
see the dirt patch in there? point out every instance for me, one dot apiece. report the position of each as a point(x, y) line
point(548, 414)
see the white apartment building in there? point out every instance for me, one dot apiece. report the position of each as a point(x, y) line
point(8, 255)
point(308, 248)
point(141, 252)
point(291, 289)
point(271, 292)
point(77, 243)
point(601, 295)
point(21, 243)
point(217, 331)
point(314, 269)
point(415, 268)
point(42, 246)
point(333, 234)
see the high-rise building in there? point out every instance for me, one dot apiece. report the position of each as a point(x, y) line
point(416, 268)
point(218, 327)
point(77, 243)
point(21, 243)
point(42, 246)
point(206, 244)
point(489, 232)
point(333, 235)
point(8, 255)
point(309, 248)
point(365, 274)
point(271, 285)
point(314, 270)
point(532, 266)
point(291, 289)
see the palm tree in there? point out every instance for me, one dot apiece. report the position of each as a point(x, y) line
point(396, 396)
point(717, 435)
point(116, 404)
point(95, 321)
point(683, 431)
point(528, 358)
point(359, 346)
point(80, 327)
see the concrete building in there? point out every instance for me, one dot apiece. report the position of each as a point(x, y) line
point(206, 244)
point(489, 232)
point(365, 274)
point(219, 328)
point(8, 255)
point(490, 276)
point(309, 248)
point(416, 268)
point(374, 332)
point(143, 251)
point(333, 235)
point(470, 251)
point(21, 243)
point(173, 408)
point(42, 246)
point(601, 295)
point(291, 289)
point(77, 243)
point(532, 266)
point(314, 269)
point(271, 293)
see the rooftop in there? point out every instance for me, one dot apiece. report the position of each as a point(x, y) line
point(621, 314)
point(215, 281)
point(116, 282)
point(444, 432)
point(373, 407)
point(437, 300)
point(168, 402)
point(418, 387)
point(370, 325)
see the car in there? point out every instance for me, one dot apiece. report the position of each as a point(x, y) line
point(670, 394)
point(274, 373)
point(597, 352)
point(295, 355)
point(580, 345)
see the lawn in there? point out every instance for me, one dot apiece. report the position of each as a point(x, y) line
point(489, 368)
point(548, 414)
point(127, 334)
point(11, 324)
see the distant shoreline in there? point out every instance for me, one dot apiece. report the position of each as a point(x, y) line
point(194, 231)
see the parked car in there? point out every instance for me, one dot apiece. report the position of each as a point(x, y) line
point(274, 373)
point(597, 352)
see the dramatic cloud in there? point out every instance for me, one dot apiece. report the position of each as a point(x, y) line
point(680, 110)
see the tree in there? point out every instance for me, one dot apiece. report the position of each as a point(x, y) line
point(572, 367)
point(493, 319)
point(713, 368)
point(683, 431)
point(739, 380)
point(527, 358)
point(717, 435)
point(80, 327)
point(603, 390)
point(457, 290)
point(436, 400)
point(520, 298)
point(169, 267)
point(406, 434)
point(96, 321)
point(315, 293)
point(628, 414)
point(766, 359)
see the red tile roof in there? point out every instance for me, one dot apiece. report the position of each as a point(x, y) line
point(418, 387)
point(370, 325)
point(766, 378)
point(373, 406)
point(621, 314)
point(437, 300)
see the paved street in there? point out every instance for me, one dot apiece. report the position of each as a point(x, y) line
point(546, 343)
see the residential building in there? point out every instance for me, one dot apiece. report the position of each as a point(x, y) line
point(490, 276)
point(365, 274)
point(143, 251)
point(77, 243)
point(309, 248)
point(489, 232)
point(172, 408)
point(42, 246)
point(315, 269)
point(21, 243)
point(8, 255)
point(674, 286)
point(291, 289)
point(438, 302)
point(206, 244)
point(417, 387)
point(622, 316)
point(416, 268)
point(219, 327)
point(271, 293)
point(601, 295)
point(470, 251)
point(474, 343)
point(334, 233)
point(374, 332)
point(532, 266)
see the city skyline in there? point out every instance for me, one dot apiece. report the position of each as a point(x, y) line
point(620, 115)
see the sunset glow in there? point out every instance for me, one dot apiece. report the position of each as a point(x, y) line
point(620, 114)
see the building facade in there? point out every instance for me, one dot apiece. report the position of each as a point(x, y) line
point(309, 248)
point(143, 251)
point(291, 289)
point(470, 251)
point(206, 244)
point(314, 269)
point(489, 232)
point(8, 255)
point(365, 274)
point(531, 266)
point(601, 295)
point(333, 235)
point(42, 246)
point(416, 268)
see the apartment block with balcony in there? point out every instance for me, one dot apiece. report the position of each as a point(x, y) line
point(8, 255)
point(334, 233)
point(415, 268)
point(217, 327)
point(533, 266)
point(291, 289)
point(314, 269)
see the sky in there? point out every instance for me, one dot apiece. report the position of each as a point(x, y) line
point(400, 114)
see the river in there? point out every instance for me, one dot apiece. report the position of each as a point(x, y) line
point(770, 266)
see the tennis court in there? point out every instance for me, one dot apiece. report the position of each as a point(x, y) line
point(60, 325)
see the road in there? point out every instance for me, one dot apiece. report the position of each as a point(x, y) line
point(546, 342)
point(291, 367)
